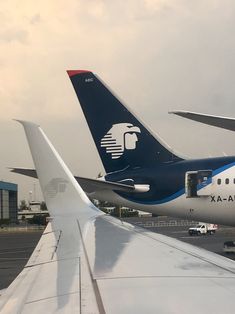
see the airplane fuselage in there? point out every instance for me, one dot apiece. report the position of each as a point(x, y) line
point(211, 199)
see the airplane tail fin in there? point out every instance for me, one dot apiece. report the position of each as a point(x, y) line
point(63, 195)
point(121, 139)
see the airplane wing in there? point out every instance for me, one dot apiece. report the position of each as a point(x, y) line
point(218, 121)
point(89, 262)
point(92, 185)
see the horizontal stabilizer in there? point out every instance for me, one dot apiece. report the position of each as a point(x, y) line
point(217, 121)
point(92, 185)
point(32, 173)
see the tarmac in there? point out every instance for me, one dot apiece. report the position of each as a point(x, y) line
point(178, 229)
point(16, 246)
point(15, 250)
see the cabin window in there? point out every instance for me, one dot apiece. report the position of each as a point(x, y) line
point(226, 181)
point(219, 181)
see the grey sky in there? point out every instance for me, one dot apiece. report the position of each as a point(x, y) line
point(156, 55)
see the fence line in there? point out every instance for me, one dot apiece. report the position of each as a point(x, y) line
point(21, 228)
point(163, 223)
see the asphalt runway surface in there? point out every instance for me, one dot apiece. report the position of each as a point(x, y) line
point(16, 247)
point(15, 250)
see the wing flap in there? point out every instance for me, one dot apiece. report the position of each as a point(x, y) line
point(50, 306)
point(167, 295)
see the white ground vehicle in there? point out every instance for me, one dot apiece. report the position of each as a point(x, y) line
point(203, 228)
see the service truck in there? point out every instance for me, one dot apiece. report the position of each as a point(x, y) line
point(203, 228)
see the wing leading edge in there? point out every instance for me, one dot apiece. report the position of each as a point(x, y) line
point(217, 121)
point(87, 262)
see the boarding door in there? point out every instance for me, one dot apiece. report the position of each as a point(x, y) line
point(198, 183)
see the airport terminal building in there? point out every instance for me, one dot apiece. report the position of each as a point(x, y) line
point(8, 202)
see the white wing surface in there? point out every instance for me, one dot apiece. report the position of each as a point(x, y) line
point(87, 262)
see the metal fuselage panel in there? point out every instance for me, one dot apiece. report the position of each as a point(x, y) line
point(167, 190)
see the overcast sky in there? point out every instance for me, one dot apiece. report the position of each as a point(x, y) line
point(157, 55)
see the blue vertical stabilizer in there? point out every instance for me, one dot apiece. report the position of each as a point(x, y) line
point(121, 139)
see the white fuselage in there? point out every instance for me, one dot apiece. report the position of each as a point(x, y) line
point(217, 206)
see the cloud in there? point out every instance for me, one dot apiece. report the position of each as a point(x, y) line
point(156, 54)
point(11, 35)
point(35, 19)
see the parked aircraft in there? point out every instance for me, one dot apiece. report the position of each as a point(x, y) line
point(142, 172)
point(202, 189)
point(89, 262)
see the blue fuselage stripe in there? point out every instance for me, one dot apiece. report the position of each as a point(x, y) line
point(182, 191)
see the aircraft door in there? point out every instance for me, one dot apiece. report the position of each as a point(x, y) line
point(191, 184)
point(198, 183)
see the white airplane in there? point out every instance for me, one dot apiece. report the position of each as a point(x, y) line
point(88, 262)
point(142, 172)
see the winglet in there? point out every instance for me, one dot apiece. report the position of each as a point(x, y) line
point(24, 122)
point(62, 193)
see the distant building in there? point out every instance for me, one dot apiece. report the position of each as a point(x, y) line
point(35, 206)
point(144, 214)
point(8, 202)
